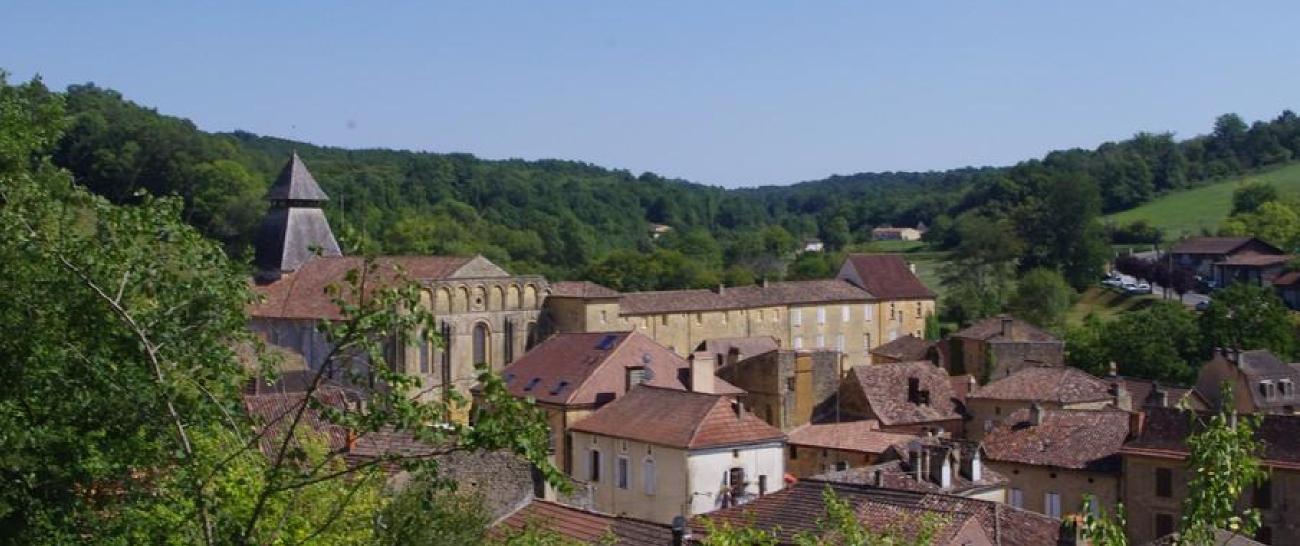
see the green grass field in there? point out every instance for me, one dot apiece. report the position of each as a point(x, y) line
point(1189, 212)
point(1105, 303)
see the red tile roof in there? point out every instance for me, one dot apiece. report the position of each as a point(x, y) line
point(591, 368)
point(581, 289)
point(887, 276)
point(885, 387)
point(906, 348)
point(862, 436)
point(1059, 384)
point(745, 347)
point(1165, 431)
point(301, 294)
point(796, 509)
point(677, 418)
point(1213, 245)
point(1079, 439)
point(990, 329)
point(583, 525)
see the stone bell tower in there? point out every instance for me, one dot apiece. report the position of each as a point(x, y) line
point(295, 223)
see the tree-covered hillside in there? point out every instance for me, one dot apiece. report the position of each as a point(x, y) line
point(571, 219)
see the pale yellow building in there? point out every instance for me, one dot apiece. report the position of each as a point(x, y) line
point(874, 299)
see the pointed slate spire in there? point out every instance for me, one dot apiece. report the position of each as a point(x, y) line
point(295, 223)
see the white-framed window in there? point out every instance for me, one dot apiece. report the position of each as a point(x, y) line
point(593, 466)
point(869, 312)
point(839, 342)
point(1016, 498)
point(821, 341)
point(648, 475)
point(796, 317)
point(844, 313)
point(798, 342)
point(1052, 504)
point(821, 315)
point(621, 471)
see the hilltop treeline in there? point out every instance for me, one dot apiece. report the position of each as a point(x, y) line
point(573, 219)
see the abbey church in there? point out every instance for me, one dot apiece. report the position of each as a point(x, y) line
point(487, 314)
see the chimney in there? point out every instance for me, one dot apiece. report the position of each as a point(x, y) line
point(765, 282)
point(1123, 400)
point(1114, 369)
point(739, 407)
point(702, 370)
point(911, 267)
point(1159, 396)
point(1137, 421)
point(1008, 327)
point(350, 441)
point(1036, 414)
point(878, 478)
point(722, 289)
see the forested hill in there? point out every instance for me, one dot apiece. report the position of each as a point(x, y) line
point(571, 219)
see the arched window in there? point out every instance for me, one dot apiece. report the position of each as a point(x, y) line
point(481, 335)
point(509, 341)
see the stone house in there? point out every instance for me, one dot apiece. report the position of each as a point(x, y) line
point(814, 449)
point(1008, 342)
point(909, 397)
point(908, 348)
point(1287, 286)
point(874, 299)
point(1260, 382)
point(1155, 477)
point(965, 521)
point(572, 375)
point(787, 388)
point(930, 464)
point(485, 314)
point(1054, 458)
point(1201, 253)
point(890, 233)
point(1050, 387)
point(1256, 269)
point(656, 454)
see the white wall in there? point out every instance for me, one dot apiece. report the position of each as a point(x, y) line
point(708, 470)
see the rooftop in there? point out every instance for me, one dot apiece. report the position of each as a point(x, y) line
point(887, 276)
point(1076, 439)
point(677, 418)
point(1256, 260)
point(585, 526)
point(1214, 245)
point(745, 347)
point(741, 297)
point(995, 328)
point(886, 387)
point(863, 436)
point(1165, 430)
point(301, 294)
point(581, 289)
point(1058, 384)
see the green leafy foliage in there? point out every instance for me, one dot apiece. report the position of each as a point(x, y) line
point(1042, 297)
point(1244, 316)
point(1223, 465)
point(1160, 342)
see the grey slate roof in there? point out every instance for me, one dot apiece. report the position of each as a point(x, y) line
point(295, 224)
point(296, 183)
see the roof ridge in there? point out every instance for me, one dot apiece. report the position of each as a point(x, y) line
point(608, 355)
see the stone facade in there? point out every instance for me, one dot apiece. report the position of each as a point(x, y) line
point(1031, 485)
point(787, 388)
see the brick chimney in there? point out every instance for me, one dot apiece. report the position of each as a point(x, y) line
point(1137, 422)
point(1036, 414)
point(1123, 400)
point(702, 370)
point(1159, 396)
point(722, 289)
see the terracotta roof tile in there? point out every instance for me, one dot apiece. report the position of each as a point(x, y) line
point(677, 418)
point(1211, 245)
point(741, 297)
point(887, 276)
point(1165, 432)
point(991, 328)
point(745, 347)
point(898, 474)
point(585, 526)
point(1142, 391)
point(1059, 384)
point(591, 368)
point(797, 508)
point(301, 294)
point(863, 436)
point(906, 348)
point(1081, 439)
point(886, 389)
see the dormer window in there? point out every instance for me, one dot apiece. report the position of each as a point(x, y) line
point(1286, 388)
point(532, 383)
point(1266, 389)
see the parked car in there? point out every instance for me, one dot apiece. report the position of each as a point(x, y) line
point(1113, 282)
point(1137, 288)
point(1128, 287)
point(1202, 305)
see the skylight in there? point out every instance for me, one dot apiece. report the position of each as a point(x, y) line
point(532, 383)
point(559, 387)
point(606, 341)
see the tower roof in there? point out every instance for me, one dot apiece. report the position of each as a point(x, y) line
point(296, 183)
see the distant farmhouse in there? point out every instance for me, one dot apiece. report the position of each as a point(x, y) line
point(890, 233)
point(1201, 253)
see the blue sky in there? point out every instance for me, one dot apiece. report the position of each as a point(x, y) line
point(724, 93)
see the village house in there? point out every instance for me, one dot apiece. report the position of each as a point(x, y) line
point(930, 464)
point(1054, 458)
point(998, 346)
point(484, 314)
point(1201, 253)
point(909, 397)
point(572, 375)
point(875, 298)
point(657, 453)
point(1287, 286)
point(1256, 269)
point(814, 449)
point(908, 348)
point(788, 388)
point(1260, 382)
point(890, 233)
point(1155, 476)
point(963, 521)
point(1050, 387)
point(729, 350)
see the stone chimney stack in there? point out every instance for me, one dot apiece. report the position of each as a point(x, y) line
point(1159, 396)
point(722, 289)
point(702, 370)
point(765, 285)
point(911, 267)
point(1123, 400)
point(1036, 414)
point(1113, 370)
point(1137, 421)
